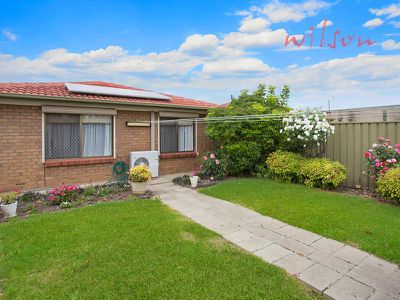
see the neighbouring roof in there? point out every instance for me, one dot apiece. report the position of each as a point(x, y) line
point(58, 89)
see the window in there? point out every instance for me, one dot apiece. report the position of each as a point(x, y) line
point(176, 136)
point(72, 136)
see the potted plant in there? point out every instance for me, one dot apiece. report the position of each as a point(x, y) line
point(138, 177)
point(194, 179)
point(9, 204)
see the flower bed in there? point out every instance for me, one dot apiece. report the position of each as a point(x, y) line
point(70, 196)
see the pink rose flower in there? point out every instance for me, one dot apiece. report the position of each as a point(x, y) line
point(217, 162)
point(212, 155)
point(204, 158)
point(378, 164)
point(398, 150)
point(394, 160)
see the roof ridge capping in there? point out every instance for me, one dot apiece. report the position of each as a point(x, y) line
point(112, 91)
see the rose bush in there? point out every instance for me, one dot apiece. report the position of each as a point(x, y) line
point(306, 130)
point(381, 157)
point(214, 165)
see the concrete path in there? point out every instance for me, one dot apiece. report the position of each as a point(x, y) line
point(337, 270)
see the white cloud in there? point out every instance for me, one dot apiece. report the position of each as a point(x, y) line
point(277, 11)
point(373, 23)
point(395, 24)
point(9, 35)
point(389, 12)
point(235, 66)
point(390, 45)
point(200, 44)
point(253, 25)
point(264, 38)
point(321, 24)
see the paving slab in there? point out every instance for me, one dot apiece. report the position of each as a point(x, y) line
point(238, 236)
point(351, 254)
point(348, 289)
point(330, 261)
point(319, 277)
point(272, 253)
point(296, 246)
point(327, 245)
point(294, 263)
point(331, 267)
point(253, 244)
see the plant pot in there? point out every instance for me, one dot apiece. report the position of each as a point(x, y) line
point(139, 188)
point(194, 180)
point(9, 210)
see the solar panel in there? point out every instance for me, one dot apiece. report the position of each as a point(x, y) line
point(111, 91)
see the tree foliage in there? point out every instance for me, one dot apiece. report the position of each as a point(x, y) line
point(247, 142)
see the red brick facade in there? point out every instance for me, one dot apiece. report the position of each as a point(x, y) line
point(21, 165)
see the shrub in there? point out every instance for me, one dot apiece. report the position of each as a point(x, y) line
point(381, 157)
point(388, 185)
point(313, 172)
point(214, 165)
point(243, 156)
point(322, 173)
point(284, 165)
point(64, 193)
point(225, 127)
point(184, 180)
point(306, 130)
point(139, 174)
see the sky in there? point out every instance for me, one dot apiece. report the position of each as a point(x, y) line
point(210, 49)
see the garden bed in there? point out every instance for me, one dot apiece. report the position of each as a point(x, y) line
point(38, 202)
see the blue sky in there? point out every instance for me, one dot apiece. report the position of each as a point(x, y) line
point(208, 49)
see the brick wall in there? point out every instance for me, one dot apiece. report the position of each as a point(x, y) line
point(20, 153)
point(21, 164)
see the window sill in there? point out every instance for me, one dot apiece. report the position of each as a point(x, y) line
point(78, 161)
point(178, 155)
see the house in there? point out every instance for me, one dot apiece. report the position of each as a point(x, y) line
point(63, 133)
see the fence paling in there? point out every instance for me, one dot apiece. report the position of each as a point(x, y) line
point(351, 140)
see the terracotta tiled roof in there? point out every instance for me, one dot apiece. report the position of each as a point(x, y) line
point(58, 89)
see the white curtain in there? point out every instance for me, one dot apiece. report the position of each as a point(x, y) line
point(185, 138)
point(97, 135)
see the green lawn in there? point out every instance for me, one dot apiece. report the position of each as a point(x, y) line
point(371, 226)
point(130, 249)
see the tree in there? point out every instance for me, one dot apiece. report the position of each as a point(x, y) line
point(248, 142)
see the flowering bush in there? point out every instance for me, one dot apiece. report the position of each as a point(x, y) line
point(388, 185)
point(214, 165)
point(306, 129)
point(139, 174)
point(381, 157)
point(64, 193)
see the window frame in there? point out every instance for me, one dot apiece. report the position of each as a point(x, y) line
point(44, 136)
point(177, 135)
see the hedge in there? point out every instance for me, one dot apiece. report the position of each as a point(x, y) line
point(313, 172)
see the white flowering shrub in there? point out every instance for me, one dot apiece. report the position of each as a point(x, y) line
point(306, 129)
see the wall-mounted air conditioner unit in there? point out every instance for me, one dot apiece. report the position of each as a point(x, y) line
point(145, 158)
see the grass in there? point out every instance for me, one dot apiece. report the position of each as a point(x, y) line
point(130, 249)
point(371, 226)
